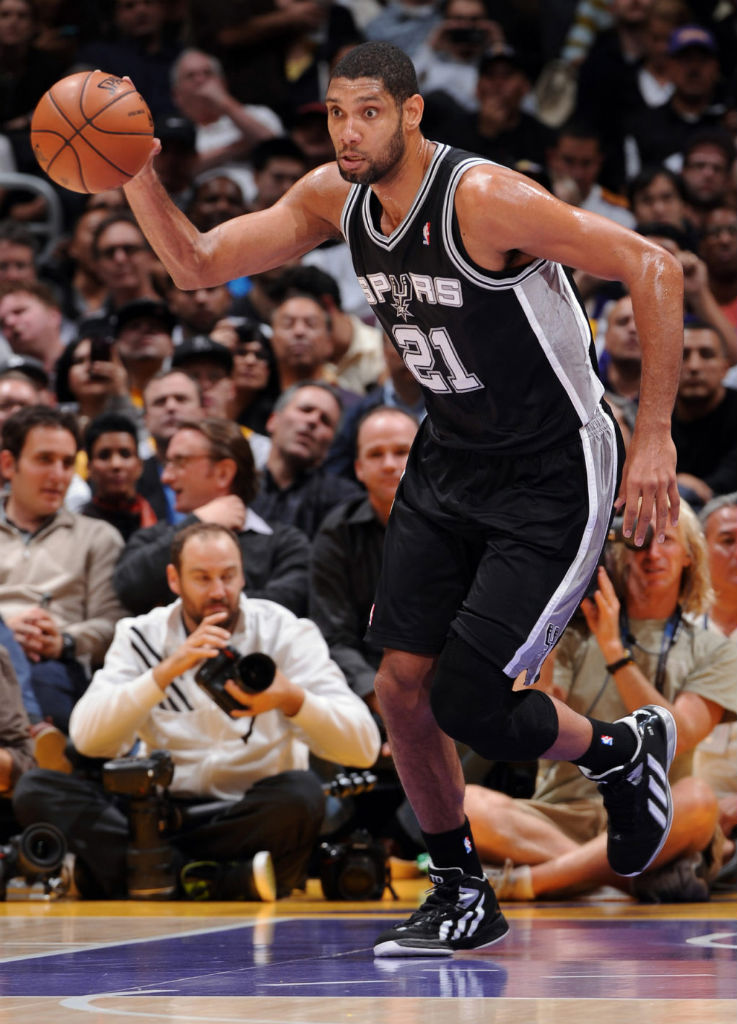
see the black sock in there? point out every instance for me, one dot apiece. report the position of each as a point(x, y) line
point(612, 744)
point(454, 849)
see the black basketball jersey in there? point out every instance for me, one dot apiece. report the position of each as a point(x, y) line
point(503, 357)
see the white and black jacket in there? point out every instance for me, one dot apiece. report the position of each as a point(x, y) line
point(214, 754)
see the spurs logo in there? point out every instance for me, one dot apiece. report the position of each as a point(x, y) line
point(109, 84)
point(551, 634)
point(401, 295)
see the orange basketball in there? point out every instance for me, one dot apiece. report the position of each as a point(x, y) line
point(91, 131)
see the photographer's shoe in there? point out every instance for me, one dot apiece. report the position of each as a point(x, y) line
point(637, 795)
point(50, 748)
point(252, 879)
point(461, 912)
point(262, 882)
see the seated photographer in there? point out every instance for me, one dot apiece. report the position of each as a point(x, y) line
point(646, 644)
point(255, 758)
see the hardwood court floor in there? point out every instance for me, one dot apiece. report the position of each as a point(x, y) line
point(307, 961)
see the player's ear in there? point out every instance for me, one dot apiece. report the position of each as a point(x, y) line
point(413, 108)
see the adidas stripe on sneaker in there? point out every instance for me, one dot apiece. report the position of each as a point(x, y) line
point(460, 912)
point(637, 795)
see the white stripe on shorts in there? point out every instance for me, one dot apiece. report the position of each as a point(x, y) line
point(599, 442)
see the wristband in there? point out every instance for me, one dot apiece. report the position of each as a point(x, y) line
point(68, 647)
point(615, 666)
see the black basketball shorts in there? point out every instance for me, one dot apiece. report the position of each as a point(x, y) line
point(499, 548)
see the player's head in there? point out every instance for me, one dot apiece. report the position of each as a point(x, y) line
point(384, 61)
point(374, 109)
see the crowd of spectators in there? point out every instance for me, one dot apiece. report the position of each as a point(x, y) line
point(271, 415)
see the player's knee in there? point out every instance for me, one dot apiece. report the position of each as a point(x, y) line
point(473, 702)
point(401, 676)
point(465, 686)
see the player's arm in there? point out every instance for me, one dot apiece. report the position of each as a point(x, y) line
point(306, 216)
point(520, 215)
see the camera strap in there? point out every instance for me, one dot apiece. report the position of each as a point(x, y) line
point(670, 635)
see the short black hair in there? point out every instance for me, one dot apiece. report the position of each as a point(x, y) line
point(17, 427)
point(575, 128)
point(695, 323)
point(304, 279)
point(715, 136)
point(665, 230)
point(280, 146)
point(109, 423)
point(648, 175)
point(384, 61)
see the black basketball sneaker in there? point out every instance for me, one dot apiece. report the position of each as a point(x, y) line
point(461, 912)
point(637, 795)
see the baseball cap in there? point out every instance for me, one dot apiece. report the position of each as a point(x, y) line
point(691, 37)
point(502, 51)
point(27, 365)
point(153, 308)
point(201, 346)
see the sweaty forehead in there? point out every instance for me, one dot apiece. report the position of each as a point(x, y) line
point(357, 89)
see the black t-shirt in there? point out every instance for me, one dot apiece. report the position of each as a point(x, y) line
point(447, 121)
point(707, 447)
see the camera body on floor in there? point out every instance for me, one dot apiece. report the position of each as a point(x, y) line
point(32, 864)
point(355, 869)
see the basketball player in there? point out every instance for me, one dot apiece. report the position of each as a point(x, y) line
point(502, 512)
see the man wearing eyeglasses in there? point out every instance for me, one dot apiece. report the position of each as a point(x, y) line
point(210, 469)
point(124, 262)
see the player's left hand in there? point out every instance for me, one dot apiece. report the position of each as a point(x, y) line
point(649, 491)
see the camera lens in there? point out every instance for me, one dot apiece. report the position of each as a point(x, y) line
point(256, 672)
point(41, 850)
point(358, 880)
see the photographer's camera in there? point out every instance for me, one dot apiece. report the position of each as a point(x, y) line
point(34, 856)
point(253, 673)
point(151, 859)
point(357, 869)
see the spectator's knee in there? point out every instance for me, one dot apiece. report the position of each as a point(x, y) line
point(697, 807)
point(31, 796)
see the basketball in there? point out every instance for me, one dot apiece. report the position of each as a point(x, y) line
point(91, 131)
